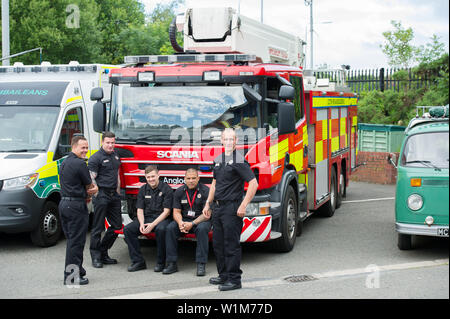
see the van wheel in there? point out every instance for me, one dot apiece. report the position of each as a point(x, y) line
point(289, 223)
point(49, 227)
point(404, 242)
point(328, 209)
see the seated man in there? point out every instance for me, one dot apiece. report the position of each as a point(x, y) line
point(154, 202)
point(188, 203)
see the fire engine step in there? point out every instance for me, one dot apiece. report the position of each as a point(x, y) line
point(274, 235)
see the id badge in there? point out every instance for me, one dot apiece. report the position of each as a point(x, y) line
point(191, 213)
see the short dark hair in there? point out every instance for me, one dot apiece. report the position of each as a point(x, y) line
point(77, 138)
point(151, 168)
point(108, 134)
point(191, 169)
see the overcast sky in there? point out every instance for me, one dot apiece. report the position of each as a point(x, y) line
point(352, 32)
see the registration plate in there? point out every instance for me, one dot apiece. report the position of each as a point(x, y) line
point(442, 232)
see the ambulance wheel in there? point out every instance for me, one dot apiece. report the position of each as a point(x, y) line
point(49, 227)
point(404, 242)
point(289, 223)
point(328, 209)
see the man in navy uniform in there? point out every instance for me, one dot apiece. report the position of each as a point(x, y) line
point(230, 172)
point(76, 187)
point(188, 203)
point(104, 169)
point(154, 204)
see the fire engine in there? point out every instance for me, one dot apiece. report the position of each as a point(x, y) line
point(298, 133)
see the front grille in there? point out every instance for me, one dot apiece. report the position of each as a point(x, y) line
point(435, 182)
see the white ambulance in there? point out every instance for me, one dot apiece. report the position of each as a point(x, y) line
point(41, 108)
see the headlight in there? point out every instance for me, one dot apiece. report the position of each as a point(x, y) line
point(415, 202)
point(256, 209)
point(20, 182)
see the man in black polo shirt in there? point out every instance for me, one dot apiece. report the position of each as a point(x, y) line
point(230, 172)
point(154, 203)
point(104, 169)
point(188, 203)
point(76, 187)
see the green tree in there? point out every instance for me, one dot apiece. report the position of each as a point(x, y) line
point(398, 48)
point(432, 51)
point(117, 21)
point(65, 29)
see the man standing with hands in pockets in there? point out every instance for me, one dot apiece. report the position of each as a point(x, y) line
point(104, 169)
point(230, 172)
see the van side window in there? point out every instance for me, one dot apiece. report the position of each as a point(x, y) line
point(73, 124)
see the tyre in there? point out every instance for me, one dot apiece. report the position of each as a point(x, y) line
point(328, 209)
point(48, 231)
point(341, 191)
point(289, 222)
point(404, 242)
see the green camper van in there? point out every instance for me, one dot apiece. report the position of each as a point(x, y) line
point(422, 193)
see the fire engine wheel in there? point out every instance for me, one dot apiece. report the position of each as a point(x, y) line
point(49, 228)
point(289, 219)
point(341, 192)
point(328, 209)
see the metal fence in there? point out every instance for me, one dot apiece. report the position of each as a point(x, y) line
point(376, 79)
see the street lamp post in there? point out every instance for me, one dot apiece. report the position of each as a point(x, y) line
point(5, 31)
point(310, 4)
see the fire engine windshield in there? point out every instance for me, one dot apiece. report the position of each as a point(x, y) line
point(427, 150)
point(178, 114)
point(26, 128)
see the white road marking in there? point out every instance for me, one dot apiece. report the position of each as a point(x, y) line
point(367, 200)
point(280, 281)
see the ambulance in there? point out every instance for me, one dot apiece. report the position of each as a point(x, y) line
point(298, 133)
point(41, 108)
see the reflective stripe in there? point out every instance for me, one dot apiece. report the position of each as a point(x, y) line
point(278, 150)
point(75, 98)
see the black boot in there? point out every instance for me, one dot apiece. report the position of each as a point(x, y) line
point(171, 268)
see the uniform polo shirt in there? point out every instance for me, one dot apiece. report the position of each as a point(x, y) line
point(153, 201)
point(107, 168)
point(230, 173)
point(180, 200)
point(74, 177)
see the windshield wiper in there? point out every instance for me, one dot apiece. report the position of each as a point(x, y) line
point(426, 163)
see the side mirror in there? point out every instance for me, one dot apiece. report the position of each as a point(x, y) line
point(96, 94)
point(99, 117)
point(392, 159)
point(286, 118)
point(286, 92)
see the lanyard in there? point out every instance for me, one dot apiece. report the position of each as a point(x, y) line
point(193, 199)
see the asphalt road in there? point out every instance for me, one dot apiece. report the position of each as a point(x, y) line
point(353, 254)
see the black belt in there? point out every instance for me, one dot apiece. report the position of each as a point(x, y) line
point(73, 198)
point(109, 191)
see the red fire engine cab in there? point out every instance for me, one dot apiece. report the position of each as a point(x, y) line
point(297, 133)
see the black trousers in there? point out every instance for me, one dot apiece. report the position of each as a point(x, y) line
point(74, 221)
point(201, 233)
point(106, 204)
point(132, 232)
point(227, 228)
